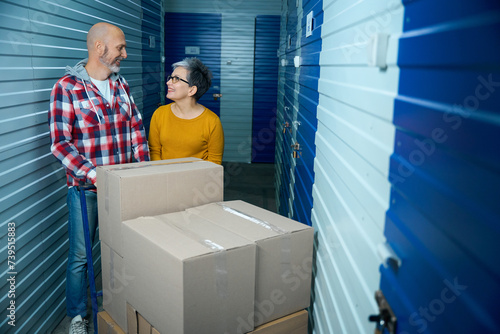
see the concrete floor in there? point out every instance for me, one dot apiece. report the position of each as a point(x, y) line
point(252, 183)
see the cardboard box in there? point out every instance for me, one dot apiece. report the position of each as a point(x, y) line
point(151, 188)
point(114, 283)
point(132, 325)
point(137, 324)
point(284, 255)
point(106, 324)
point(191, 275)
point(144, 325)
point(295, 323)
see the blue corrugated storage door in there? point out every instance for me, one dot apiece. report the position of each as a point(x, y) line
point(443, 221)
point(307, 121)
point(285, 109)
point(195, 30)
point(265, 93)
point(290, 102)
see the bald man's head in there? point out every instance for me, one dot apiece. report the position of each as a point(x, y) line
point(102, 32)
point(106, 45)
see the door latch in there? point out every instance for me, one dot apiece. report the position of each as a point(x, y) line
point(217, 96)
point(386, 318)
point(286, 126)
point(297, 150)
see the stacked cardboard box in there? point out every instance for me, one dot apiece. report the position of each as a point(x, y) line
point(284, 255)
point(106, 324)
point(199, 275)
point(189, 262)
point(129, 191)
point(295, 323)
point(115, 280)
point(151, 188)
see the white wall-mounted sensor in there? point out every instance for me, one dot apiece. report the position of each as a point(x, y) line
point(297, 61)
point(377, 50)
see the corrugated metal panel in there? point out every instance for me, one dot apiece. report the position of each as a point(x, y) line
point(237, 64)
point(354, 141)
point(267, 34)
point(281, 129)
point(38, 39)
point(444, 213)
point(297, 108)
point(153, 83)
point(307, 113)
point(199, 30)
point(297, 114)
point(288, 91)
point(252, 8)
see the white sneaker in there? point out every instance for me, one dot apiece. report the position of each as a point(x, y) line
point(78, 325)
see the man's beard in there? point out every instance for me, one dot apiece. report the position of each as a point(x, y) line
point(110, 64)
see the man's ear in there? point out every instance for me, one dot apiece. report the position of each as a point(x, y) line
point(192, 90)
point(99, 47)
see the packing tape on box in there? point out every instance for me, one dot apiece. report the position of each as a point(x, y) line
point(121, 167)
point(219, 257)
point(106, 194)
point(285, 235)
point(221, 281)
point(112, 269)
point(253, 219)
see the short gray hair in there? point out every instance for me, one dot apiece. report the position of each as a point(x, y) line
point(198, 75)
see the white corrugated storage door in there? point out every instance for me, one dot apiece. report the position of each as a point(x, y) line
point(354, 142)
point(236, 105)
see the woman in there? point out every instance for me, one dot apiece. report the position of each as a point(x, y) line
point(185, 128)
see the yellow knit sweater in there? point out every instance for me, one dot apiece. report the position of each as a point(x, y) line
point(171, 137)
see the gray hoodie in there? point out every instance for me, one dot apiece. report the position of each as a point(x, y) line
point(80, 72)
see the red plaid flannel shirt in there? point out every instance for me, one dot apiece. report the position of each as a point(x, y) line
point(87, 131)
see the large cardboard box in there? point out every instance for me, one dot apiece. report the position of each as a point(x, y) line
point(284, 255)
point(114, 283)
point(151, 188)
point(191, 275)
point(107, 325)
point(295, 323)
point(132, 325)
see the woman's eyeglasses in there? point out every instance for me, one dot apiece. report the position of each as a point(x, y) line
point(175, 79)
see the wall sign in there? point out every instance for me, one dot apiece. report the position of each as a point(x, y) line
point(192, 50)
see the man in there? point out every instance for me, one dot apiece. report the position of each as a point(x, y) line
point(93, 121)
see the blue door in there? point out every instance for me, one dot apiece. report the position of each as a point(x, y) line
point(267, 37)
point(306, 122)
point(444, 219)
point(288, 103)
point(295, 156)
point(196, 35)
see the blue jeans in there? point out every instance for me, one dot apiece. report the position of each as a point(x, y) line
point(76, 272)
